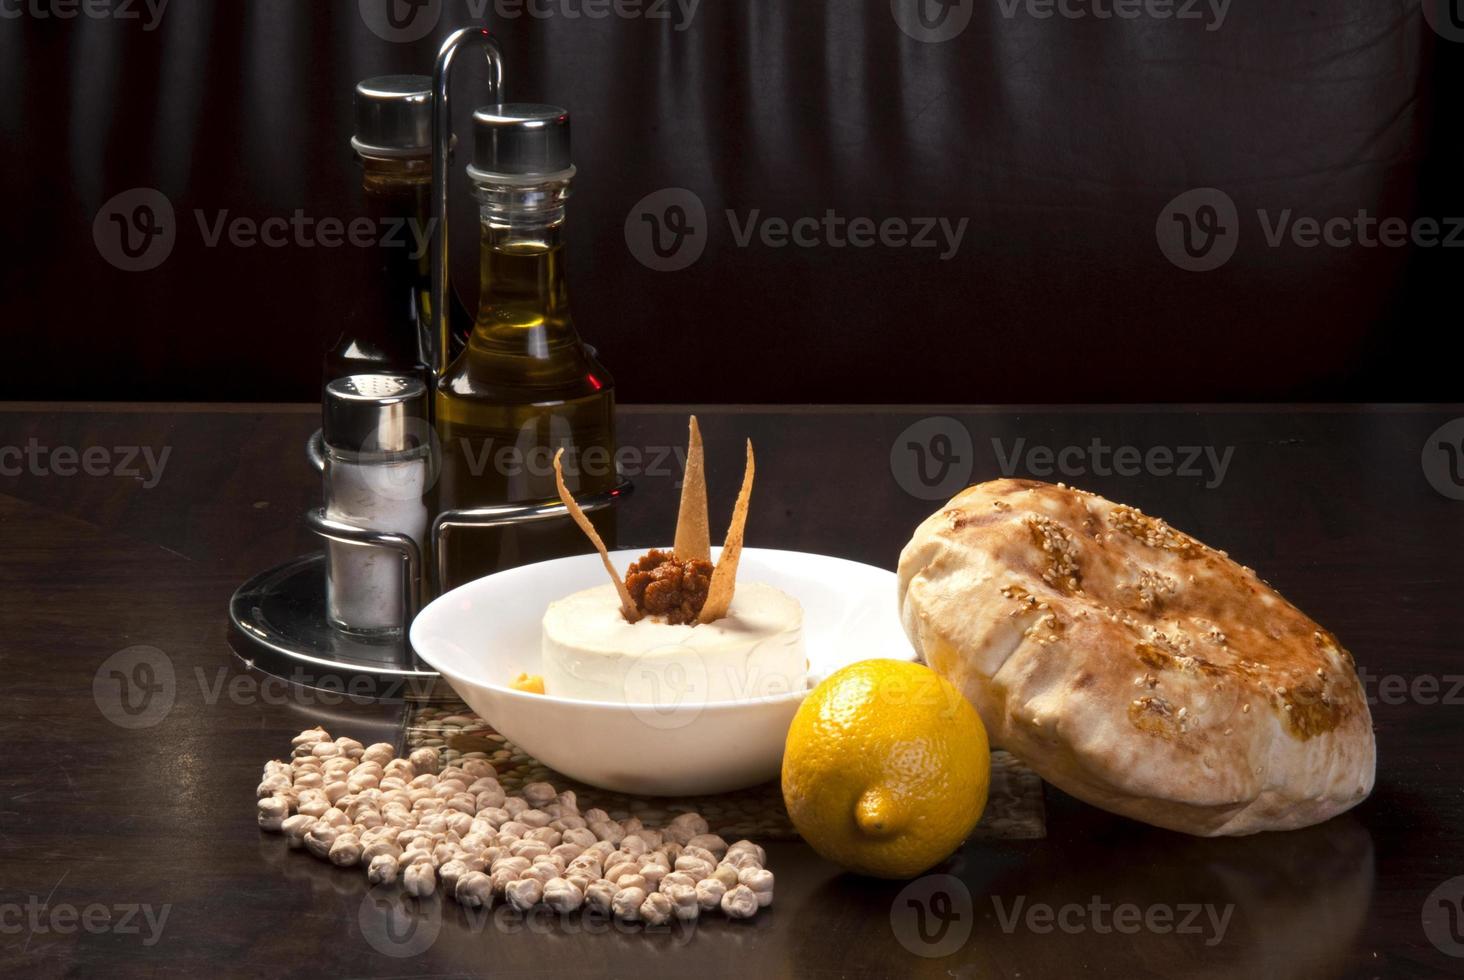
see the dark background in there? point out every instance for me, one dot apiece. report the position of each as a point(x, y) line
point(1061, 140)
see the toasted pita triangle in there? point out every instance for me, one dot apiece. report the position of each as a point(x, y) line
point(724, 576)
point(627, 605)
point(693, 530)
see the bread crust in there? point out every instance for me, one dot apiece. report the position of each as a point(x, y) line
point(1134, 667)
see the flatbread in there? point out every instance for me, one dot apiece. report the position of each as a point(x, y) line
point(627, 604)
point(724, 576)
point(1134, 667)
point(693, 529)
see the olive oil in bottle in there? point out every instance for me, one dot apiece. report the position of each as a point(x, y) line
point(526, 385)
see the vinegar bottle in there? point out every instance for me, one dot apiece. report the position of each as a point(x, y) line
point(526, 385)
point(386, 304)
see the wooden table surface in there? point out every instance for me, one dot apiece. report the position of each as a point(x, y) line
point(128, 844)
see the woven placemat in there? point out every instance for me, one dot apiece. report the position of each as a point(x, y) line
point(1013, 811)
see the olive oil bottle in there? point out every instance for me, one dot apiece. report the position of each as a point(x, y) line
point(525, 385)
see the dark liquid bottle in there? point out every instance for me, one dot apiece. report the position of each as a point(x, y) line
point(525, 385)
point(387, 304)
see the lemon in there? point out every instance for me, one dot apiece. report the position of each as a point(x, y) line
point(886, 768)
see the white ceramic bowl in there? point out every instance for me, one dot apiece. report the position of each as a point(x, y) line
point(482, 635)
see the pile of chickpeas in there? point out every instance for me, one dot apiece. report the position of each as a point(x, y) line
point(456, 830)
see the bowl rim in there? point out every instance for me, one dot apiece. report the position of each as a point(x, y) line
point(792, 697)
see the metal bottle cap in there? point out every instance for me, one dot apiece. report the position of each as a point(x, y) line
point(375, 413)
point(394, 116)
point(520, 139)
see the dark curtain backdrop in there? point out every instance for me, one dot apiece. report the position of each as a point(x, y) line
point(1060, 140)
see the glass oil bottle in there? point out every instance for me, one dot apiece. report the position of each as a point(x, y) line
point(526, 385)
point(387, 303)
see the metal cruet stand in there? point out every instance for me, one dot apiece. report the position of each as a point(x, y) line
point(278, 617)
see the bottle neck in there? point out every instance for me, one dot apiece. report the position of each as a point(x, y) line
point(523, 305)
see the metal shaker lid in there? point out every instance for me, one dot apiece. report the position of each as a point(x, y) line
point(520, 139)
point(376, 413)
point(394, 116)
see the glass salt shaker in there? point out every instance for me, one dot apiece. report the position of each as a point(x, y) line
point(378, 462)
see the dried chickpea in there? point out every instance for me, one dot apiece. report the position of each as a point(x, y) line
point(627, 902)
point(710, 843)
point(474, 890)
point(382, 870)
point(273, 784)
point(632, 881)
point(272, 813)
point(683, 901)
point(424, 760)
point(622, 868)
point(295, 828)
point(525, 893)
point(607, 831)
point(727, 875)
point(599, 895)
point(538, 794)
point(479, 768)
point(419, 880)
point(747, 846)
point(761, 883)
point(673, 878)
point(694, 866)
point(345, 851)
point(709, 893)
point(563, 895)
point(448, 872)
point(740, 903)
point(694, 823)
point(378, 752)
point(656, 909)
point(652, 875)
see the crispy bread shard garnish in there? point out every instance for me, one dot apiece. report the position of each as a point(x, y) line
point(693, 530)
point(724, 577)
point(627, 606)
